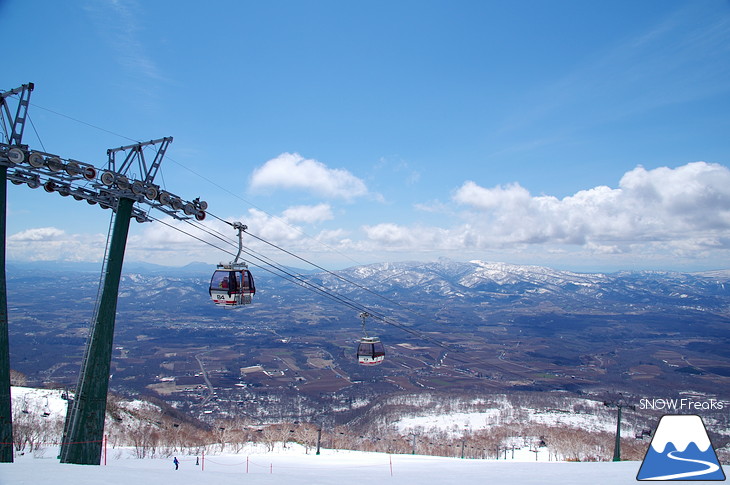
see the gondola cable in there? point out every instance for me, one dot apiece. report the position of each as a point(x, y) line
point(199, 175)
point(84, 123)
point(307, 284)
point(311, 286)
point(291, 277)
point(340, 277)
point(349, 302)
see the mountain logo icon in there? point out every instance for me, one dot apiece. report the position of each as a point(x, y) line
point(681, 450)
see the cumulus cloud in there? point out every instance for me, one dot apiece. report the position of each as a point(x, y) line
point(652, 217)
point(292, 171)
point(394, 237)
point(662, 204)
point(38, 234)
point(660, 213)
point(510, 197)
point(309, 213)
point(53, 244)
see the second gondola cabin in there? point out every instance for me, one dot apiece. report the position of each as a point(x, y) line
point(370, 351)
point(232, 285)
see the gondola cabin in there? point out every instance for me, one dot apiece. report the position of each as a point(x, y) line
point(232, 285)
point(370, 351)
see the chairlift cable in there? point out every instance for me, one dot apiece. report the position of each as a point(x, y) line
point(217, 247)
point(328, 293)
point(259, 208)
point(301, 282)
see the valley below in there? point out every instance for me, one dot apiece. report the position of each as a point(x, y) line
point(461, 330)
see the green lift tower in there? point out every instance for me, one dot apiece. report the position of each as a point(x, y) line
point(112, 189)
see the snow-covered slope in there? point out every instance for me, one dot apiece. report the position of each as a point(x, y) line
point(294, 467)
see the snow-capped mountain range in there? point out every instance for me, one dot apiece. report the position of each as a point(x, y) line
point(443, 278)
point(480, 280)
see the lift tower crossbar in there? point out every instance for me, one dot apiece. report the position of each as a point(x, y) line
point(136, 152)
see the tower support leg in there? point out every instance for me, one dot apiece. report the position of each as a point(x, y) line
point(84, 429)
point(617, 444)
point(6, 408)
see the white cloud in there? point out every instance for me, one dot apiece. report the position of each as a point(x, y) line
point(292, 171)
point(53, 244)
point(393, 237)
point(663, 204)
point(511, 197)
point(38, 234)
point(653, 217)
point(309, 213)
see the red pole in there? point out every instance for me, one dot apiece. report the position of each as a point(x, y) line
point(391, 464)
point(202, 462)
point(105, 442)
point(271, 468)
point(247, 464)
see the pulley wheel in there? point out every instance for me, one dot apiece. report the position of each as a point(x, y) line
point(54, 164)
point(150, 193)
point(16, 155)
point(137, 188)
point(165, 198)
point(73, 169)
point(89, 173)
point(36, 160)
point(107, 178)
point(123, 182)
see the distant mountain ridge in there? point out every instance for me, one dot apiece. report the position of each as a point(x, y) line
point(447, 280)
point(478, 280)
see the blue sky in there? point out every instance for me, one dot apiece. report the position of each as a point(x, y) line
point(590, 136)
